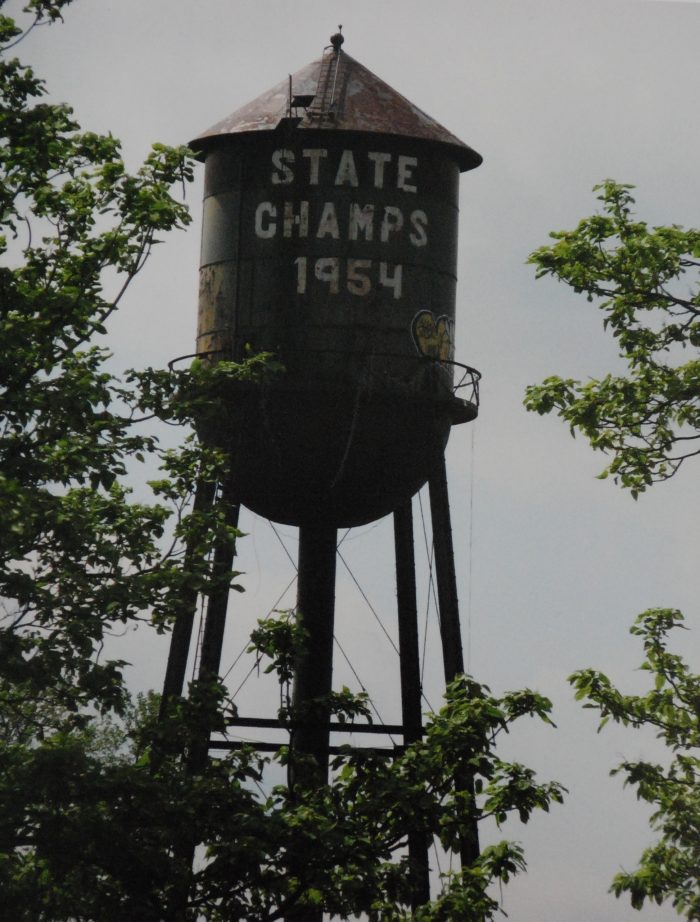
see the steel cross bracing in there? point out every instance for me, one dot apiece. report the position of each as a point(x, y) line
point(316, 589)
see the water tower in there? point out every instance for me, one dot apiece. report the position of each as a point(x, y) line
point(330, 240)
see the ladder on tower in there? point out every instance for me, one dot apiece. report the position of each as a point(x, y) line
point(324, 108)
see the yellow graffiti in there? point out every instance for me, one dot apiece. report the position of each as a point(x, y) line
point(433, 335)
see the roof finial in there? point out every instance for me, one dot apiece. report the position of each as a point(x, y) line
point(337, 39)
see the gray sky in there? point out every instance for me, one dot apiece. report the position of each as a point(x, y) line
point(557, 95)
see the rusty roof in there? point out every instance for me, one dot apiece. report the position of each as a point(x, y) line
point(337, 93)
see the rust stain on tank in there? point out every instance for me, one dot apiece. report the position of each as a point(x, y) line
point(215, 332)
point(347, 96)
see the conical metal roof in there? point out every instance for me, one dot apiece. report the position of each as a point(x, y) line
point(337, 93)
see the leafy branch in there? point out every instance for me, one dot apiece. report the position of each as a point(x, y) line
point(646, 283)
point(667, 870)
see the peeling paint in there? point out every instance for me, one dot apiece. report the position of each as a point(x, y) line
point(361, 102)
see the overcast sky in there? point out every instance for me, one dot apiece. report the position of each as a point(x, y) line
point(556, 95)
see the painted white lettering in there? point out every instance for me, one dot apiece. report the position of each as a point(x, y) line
point(419, 221)
point(358, 283)
point(292, 220)
point(361, 221)
point(379, 161)
point(347, 173)
point(314, 156)
point(392, 222)
point(265, 226)
point(328, 225)
point(391, 281)
point(405, 167)
point(328, 270)
point(282, 175)
point(300, 263)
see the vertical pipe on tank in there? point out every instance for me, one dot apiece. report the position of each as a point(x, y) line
point(450, 631)
point(409, 655)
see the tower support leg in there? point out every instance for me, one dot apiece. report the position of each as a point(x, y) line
point(210, 660)
point(409, 656)
point(215, 620)
point(181, 637)
point(313, 674)
point(450, 631)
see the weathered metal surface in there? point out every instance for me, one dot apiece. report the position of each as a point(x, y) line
point(335, 250)
point(346, 97)
point(331, 248)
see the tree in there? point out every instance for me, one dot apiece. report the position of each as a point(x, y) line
point(670, 869)
point(646, 282)
point(77, 555)
point(92, 802)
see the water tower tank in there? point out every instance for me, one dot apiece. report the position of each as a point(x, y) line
point(330, 239)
